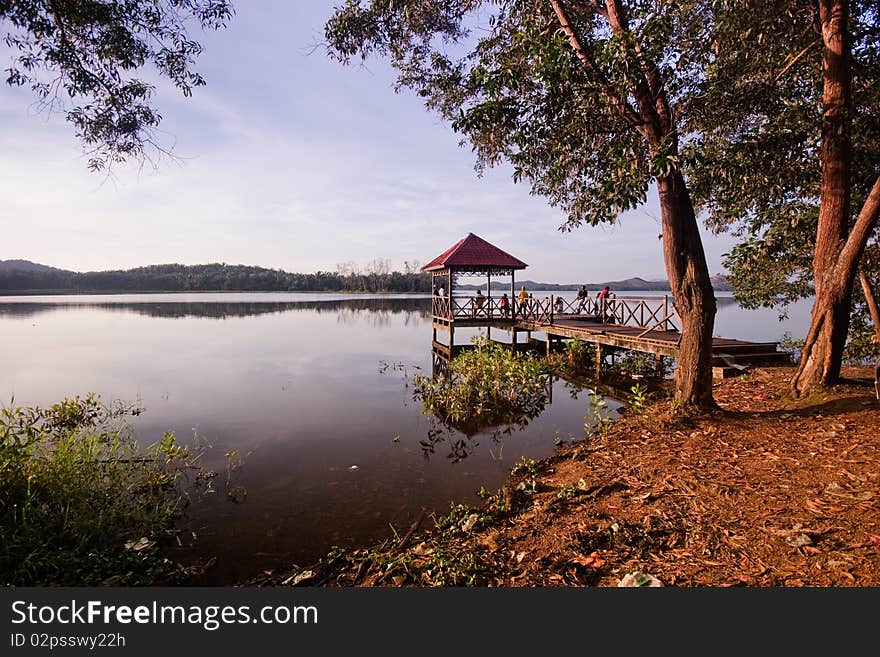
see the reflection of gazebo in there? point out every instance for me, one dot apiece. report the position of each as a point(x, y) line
point(471, 256)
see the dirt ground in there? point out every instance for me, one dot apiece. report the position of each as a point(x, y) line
point(768, 491)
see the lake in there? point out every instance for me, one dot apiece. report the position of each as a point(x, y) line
point(310, 393)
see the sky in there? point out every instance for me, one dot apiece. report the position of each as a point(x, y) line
point(287, 159)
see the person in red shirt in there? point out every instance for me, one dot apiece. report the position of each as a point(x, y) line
point(602, 301)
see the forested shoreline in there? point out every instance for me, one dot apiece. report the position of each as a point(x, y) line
point(22, 277)
point(216, 277)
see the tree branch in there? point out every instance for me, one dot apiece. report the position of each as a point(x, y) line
point(56, 18)
point(864, 226)
point(625, 109)
point(788, 66)
point(653, 109)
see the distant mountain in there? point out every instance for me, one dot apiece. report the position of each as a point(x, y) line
point(26, 265)
point(719, 282)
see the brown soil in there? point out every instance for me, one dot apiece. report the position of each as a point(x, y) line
point(767, 491)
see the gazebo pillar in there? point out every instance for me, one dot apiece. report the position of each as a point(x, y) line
point(513, 293)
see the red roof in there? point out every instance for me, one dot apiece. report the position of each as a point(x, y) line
point(473, 251)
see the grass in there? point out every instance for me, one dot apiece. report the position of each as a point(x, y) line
point(81, 503)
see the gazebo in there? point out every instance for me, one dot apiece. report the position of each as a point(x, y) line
point(471, 256)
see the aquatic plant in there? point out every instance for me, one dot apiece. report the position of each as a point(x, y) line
point(598, 416)
point(639, 398)
point(81, 503)
point(488, 385)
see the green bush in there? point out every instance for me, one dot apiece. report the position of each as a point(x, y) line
point(485, 386)
point(81, 503)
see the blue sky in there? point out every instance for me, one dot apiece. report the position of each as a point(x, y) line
point(287, 159)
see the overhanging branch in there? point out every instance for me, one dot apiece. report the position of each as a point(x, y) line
point(625, 109)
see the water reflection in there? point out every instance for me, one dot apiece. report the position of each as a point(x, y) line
point(378, 311)
point(289, 383)
point(292, 388)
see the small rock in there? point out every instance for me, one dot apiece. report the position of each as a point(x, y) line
point(469, 523)
point(799, 540)
point(140, 544)
point(293, 580)
point(422, 549)
point(637, 579)
point(353, 468)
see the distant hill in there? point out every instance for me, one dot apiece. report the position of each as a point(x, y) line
point(25, 277)
point(719, 282)
point(25, 265)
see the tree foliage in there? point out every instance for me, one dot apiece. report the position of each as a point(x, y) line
point(78, 56)
point(759, 113)
point(211, 277)
point(504, 75)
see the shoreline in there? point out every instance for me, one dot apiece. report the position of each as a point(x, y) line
point(766, 492)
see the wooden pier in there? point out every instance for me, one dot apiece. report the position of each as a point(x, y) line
point(648, 325)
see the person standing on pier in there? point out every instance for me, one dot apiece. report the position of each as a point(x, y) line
point(582, 297)
point(602, 300)
point(504, 304)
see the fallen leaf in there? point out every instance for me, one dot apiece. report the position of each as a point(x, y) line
point(584, 561)
point(293, 580)
point(812, 506)
point(140, 544)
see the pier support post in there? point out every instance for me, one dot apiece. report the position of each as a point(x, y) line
point(598, 360)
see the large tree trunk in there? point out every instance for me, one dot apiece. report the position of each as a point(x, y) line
point(693, 292)
point(822, 354)
point(682, 244)
point(823, 349)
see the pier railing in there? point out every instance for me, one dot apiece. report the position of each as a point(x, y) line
point(651, 313)
point(482, 307)
point(657, 313)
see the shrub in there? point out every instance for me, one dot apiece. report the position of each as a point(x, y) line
point(485, 386)
point(81, 504)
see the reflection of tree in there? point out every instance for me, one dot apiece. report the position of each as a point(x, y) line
point(347, 309)
point(462, 438)
point(377, 318)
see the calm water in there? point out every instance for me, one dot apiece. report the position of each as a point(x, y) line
point(304, 387)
